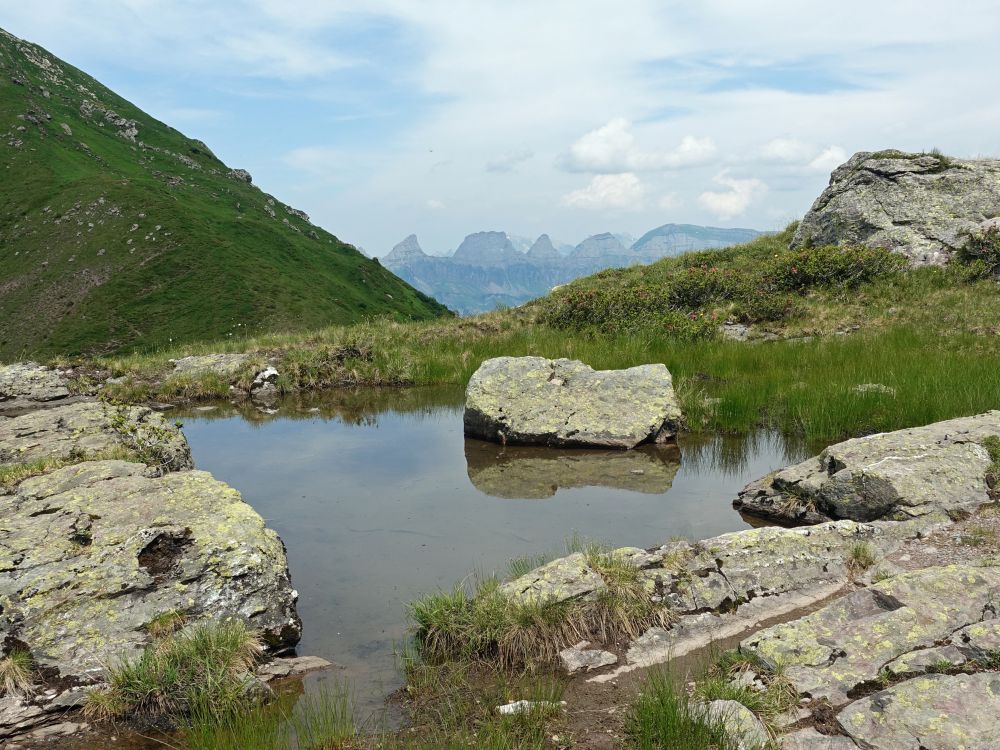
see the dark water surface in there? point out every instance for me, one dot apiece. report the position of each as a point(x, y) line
point(379, 498)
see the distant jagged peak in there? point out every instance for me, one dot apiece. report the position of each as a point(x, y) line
point(543, 249)
point(406, 250)
point(486, 246)
point(600, 246)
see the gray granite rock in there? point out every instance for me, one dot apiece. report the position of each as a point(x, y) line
point(27, 386)
point(934, 712)
point(531, 400)
point(91, 554)
point(90, 428)
point(938, 468)
point(921, 205)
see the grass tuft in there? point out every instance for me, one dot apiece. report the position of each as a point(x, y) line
point(860, 557)
point(205, 670)
point(17, 673)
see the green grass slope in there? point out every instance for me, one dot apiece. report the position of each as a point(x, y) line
point(117, 232)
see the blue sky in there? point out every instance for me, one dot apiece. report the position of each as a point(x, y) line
point(571, 117)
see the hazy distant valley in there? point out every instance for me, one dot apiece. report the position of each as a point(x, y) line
point(497, 269)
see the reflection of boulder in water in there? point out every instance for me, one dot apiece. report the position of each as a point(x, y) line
point(533, 472)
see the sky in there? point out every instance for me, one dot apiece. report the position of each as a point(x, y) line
point(570, 117)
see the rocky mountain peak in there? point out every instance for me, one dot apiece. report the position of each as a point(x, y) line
point(543, 249)
point(600, 245)
point(408, 249)
point(486, 246)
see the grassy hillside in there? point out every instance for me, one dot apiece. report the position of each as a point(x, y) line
point(117, 232)
point(842, 341)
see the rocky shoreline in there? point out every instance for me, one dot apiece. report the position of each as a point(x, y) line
point(904, 649)
point(106, 528)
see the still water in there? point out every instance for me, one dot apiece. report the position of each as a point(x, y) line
point(379, 498)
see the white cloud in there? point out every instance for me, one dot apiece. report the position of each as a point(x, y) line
point(612, 149)
point(508, 161)
point(670, 202)
point(789, 150)
point(736, 200)
point(435, 205)
point(831, 158)
point(608, 191)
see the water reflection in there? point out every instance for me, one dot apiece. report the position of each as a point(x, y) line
point(532, 472)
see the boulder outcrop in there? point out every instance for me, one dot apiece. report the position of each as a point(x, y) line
point(92, 428)
point(27, 386)
point(562, 402)
point(921, 205)
point(938, 468)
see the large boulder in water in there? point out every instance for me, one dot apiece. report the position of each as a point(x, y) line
point(938, 468)
point(92, 556)
point(921, 205)
point(562, 402)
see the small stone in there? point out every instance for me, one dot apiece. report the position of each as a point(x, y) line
point(579, 657)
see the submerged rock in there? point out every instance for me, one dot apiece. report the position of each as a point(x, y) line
point(92, 554)
point(533, 472)
point(921, 205)
point(27, 386)
point(81, 430)
point(939, 468)
point(532, 400)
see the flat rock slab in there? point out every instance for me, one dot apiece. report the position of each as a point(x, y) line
point(93, 428)
point(92, 554)
point(562, 402)
point(939, 468)
point(810, 739)
point(844, 646)
point(26, 386)
point(224, 365)
point(919, 205)
point(581, 657)
point(936, 712)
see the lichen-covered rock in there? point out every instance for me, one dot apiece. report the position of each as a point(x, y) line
point(226, 365)
point(810, 739)
point(93, 428)
point(92, 554)
point(939, 468)
point(741, 724)
point(934, 712)
point(920, 205)
point(560, 580)
point(531, 400)
point(836, 650)
point(26, 386)
point(533, 472)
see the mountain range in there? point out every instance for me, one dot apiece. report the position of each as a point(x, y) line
point(117, 231)
point(496, 269)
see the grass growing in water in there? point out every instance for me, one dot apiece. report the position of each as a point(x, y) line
point(486, 623)
point(204, 670)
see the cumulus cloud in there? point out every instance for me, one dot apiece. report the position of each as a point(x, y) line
point(608, 191)
point(612, 149)
point(831, 158)
point(798, 153)
point(508, 161)
point(789, 150)
point(734, 201)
